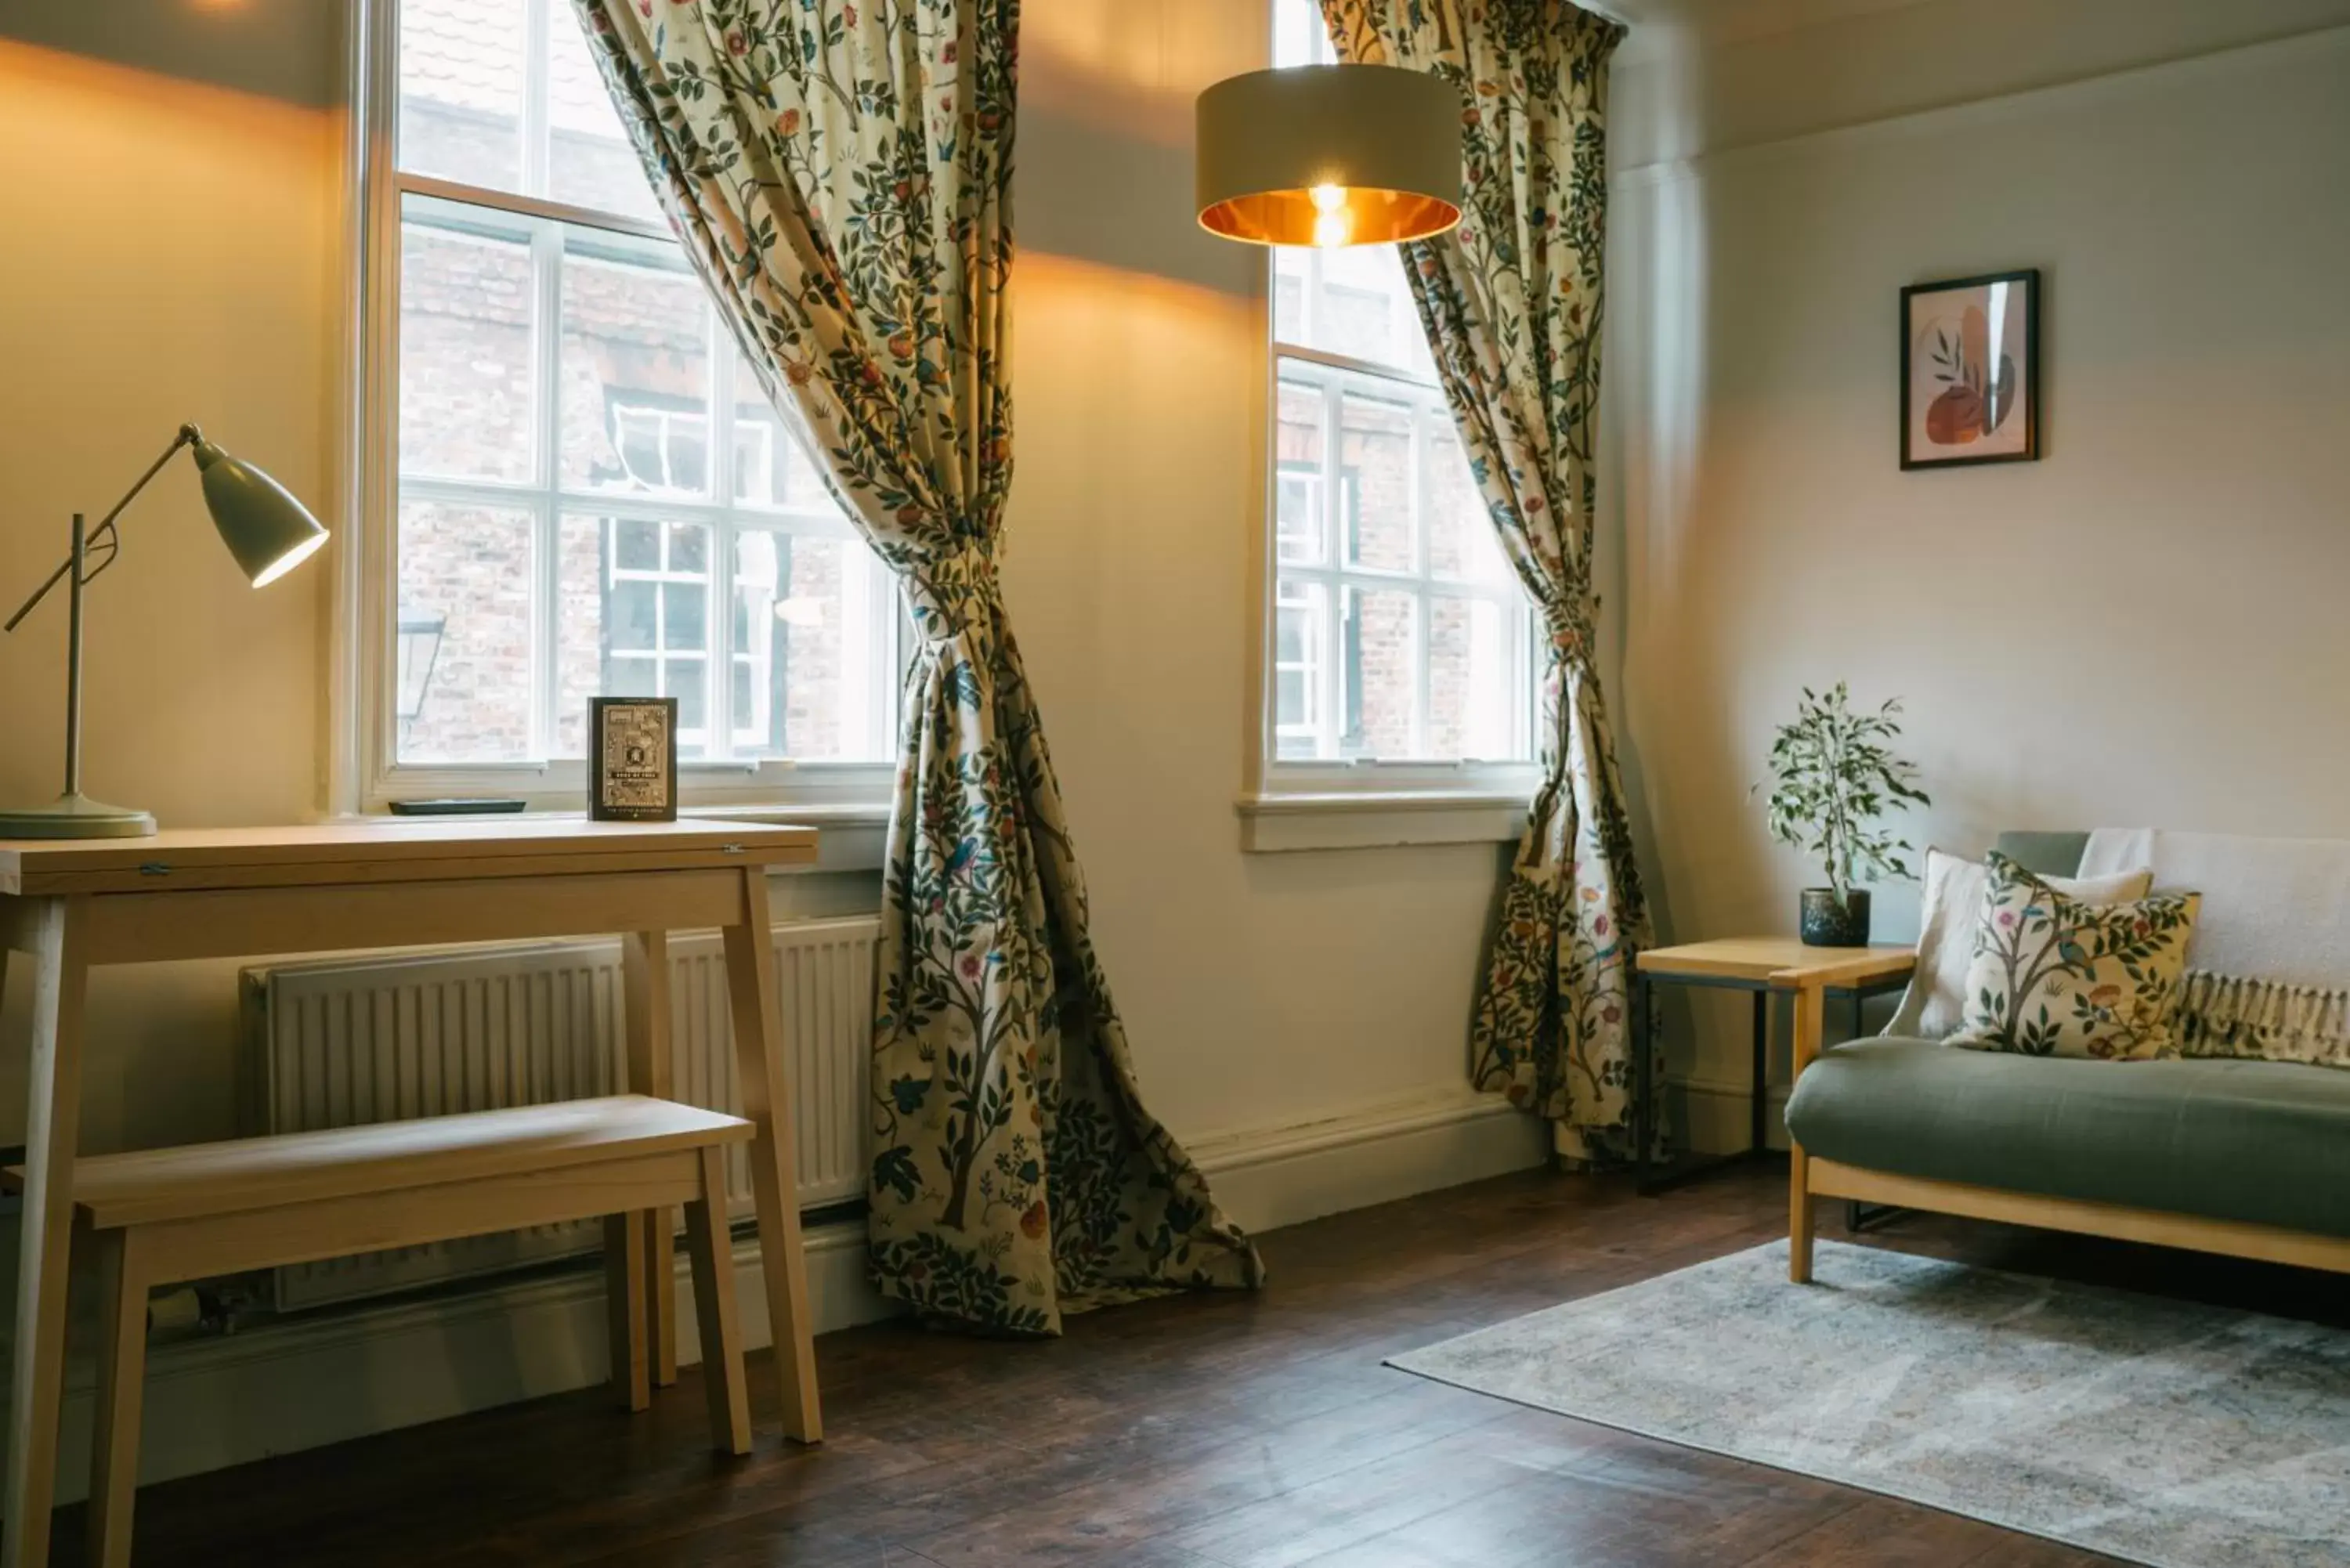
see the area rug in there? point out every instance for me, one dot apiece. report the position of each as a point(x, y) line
point(2166, 1432)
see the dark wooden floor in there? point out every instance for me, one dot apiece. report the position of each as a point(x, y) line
point(1218, 1432)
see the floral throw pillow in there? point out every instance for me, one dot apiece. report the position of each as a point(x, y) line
point(2053, 976)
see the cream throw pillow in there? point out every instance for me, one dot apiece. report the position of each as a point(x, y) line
point(2055, 977)
point(1935, 1005)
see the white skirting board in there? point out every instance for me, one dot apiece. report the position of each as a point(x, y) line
point(326, 1378)
point(1265, 1178)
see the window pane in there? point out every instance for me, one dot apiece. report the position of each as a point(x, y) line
point(467, 407)
point(1350, 300)
point(1291, 278)
point(1382, 674)
point(1375, 482)
point(685, 616)
point(772, 468)
point(1365, 312)
point(1473, 695)
point(590, 162)
point(467, 570)
point(1300, 37)
point(631, 677)
point(636, 547)
point(1298, 520)
point(1300, 640)
point(1461, 538)
point(460, 90)
point(687, 680)
point(632, 620)
point(811, 664)
point(587, 628)
point(636, 378)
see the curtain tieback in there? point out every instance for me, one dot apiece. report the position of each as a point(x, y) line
point(955, 591)
point(1569, 634)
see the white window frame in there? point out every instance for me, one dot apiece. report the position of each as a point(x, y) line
point(365, 771)
point(1335, 379)
point(1337, 803)
point(1296, 803)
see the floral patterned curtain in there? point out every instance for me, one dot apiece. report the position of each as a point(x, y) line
point(840, 174)
point(1511, 300)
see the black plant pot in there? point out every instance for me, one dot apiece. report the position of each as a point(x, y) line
point(1831, 922)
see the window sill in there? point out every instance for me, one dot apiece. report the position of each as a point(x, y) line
point(1363, 819)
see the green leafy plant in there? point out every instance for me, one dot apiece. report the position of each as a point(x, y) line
point(1832, 776)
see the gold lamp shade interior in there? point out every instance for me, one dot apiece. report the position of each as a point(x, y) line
point(1329, 155)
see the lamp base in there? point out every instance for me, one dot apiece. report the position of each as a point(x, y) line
point(77, 817)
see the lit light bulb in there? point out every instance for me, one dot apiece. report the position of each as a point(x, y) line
point(1334, 223)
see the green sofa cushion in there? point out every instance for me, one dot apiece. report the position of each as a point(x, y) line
point(2263, 1142)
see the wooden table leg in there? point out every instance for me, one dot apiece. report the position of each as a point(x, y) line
point(645, 1001)
point(765, 1089)
point(52, 1138)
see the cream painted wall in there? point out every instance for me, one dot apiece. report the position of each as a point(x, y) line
point(1259, 989)
point(2145, 626)
point(163, 257)
point(182, 263)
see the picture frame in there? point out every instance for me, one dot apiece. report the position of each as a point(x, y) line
point(1971, 386)
point(632, 759)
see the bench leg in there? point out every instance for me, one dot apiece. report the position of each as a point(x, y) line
point(121, 1377)
point(624, 1309)
point(645, 996)
point(713, 1251)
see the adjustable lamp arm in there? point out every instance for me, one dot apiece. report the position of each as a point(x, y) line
point(263, 525)
point(189, 436)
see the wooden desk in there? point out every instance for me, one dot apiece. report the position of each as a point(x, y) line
point(74, 906)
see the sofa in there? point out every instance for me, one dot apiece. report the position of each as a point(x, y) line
point(2245, 1157)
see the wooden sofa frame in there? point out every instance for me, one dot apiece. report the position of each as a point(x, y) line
point(1810, 1179)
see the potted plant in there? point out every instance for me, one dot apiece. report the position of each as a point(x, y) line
point(1832, 776)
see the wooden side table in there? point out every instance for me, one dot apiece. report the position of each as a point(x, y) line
point(1756, 964)
point(76, 905)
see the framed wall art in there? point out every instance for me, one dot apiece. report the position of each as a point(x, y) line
point(1971, 370)
point(632, 759)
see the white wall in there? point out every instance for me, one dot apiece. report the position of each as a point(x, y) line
point(2145, 626)
point(182, 263)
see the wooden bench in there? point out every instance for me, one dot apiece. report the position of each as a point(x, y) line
point(164, 1216)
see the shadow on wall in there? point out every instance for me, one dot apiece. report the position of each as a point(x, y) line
point(1651, 433)
point(1105, 196)
point(290, 51)
point(1104, 170)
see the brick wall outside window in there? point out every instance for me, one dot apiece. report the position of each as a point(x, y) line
point(470, 409)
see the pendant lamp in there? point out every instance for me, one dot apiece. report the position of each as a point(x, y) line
point(1329, 155)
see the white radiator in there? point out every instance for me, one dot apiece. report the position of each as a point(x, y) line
point(341, 1042)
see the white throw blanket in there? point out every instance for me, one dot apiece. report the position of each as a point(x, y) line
point(2274, 908)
